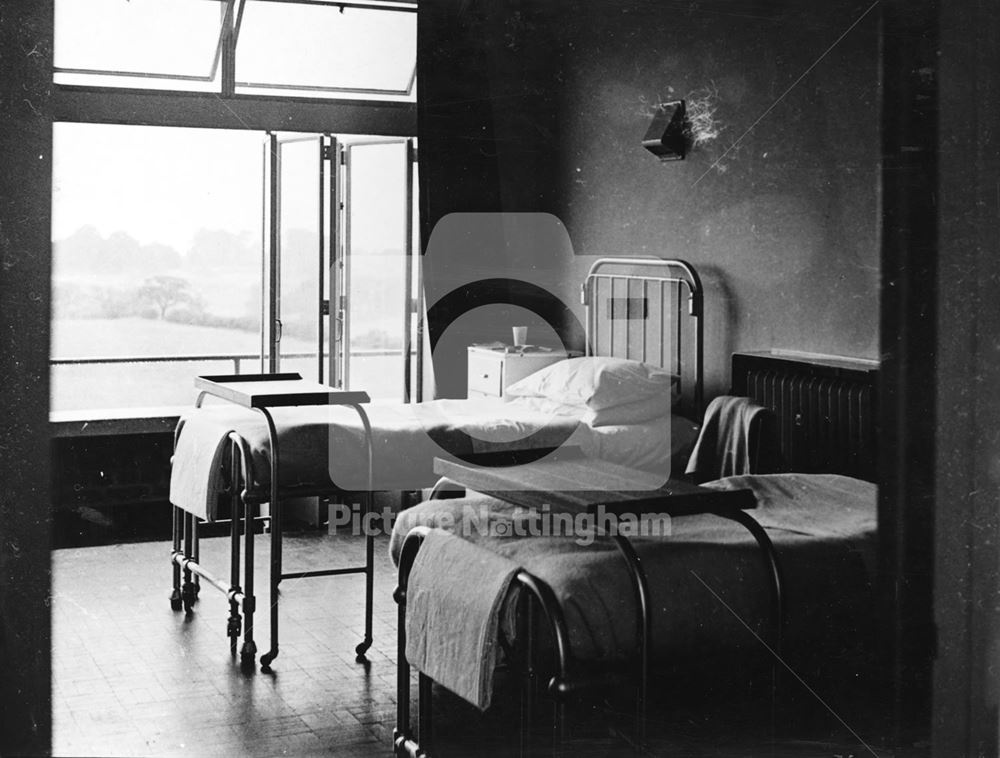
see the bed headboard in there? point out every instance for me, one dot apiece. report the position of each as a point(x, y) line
point(649, 310)
point(825, 408)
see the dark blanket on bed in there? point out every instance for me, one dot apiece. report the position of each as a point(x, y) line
point(707, 579)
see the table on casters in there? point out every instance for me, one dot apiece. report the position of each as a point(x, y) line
point(261, 393)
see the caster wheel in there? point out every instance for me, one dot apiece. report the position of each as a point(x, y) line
point(188, 597)
point(175, 601)
point(265, 661)
point(248, 653)
point(361, 649)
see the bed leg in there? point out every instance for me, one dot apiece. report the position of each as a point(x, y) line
point(276, 530)
point(233, 627)
point(248, 653)
point(362, 647)
point(404, 746)
point(187, 589)
point(196, 555)
point(175, 595)
point(529, 681)
point(558, 727)
point(638, 574)
point(559, 686)
point(401, 734)
point(425, 729)
point(773, 568)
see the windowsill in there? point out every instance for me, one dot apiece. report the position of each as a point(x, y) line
point(99, 422)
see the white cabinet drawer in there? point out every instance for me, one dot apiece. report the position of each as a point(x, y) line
point(519, 365)
point(485, 373)
point(491, 372)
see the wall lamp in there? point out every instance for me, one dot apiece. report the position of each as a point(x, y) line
point(666, 137)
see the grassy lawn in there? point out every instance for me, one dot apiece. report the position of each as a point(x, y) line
point(137, 385)
point(104, 338)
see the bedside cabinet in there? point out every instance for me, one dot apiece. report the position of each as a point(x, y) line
point(492, 370)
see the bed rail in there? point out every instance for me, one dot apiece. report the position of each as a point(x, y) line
point(652, 312)
point(405, 744)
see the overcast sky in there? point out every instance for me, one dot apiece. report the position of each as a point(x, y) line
point(162, 184)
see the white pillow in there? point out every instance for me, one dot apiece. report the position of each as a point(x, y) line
point(626, 413)
point(631, 413)
point(596, 382)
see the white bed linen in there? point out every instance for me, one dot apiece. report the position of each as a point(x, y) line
point(319, 444)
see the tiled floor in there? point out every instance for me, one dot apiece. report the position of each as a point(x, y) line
point(131, 677)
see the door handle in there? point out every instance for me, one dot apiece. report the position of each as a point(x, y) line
point(338, 326)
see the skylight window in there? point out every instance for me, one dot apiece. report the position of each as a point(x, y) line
point(361, 49)
point(139, 43)
point(324, 47)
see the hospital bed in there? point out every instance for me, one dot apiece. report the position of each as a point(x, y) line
point(708, 592)
point(635, 310)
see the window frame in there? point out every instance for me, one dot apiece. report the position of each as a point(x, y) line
point(74, 103)
point(225, 59)
point(225, 24)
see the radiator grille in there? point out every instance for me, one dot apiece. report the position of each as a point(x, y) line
point(825, 414)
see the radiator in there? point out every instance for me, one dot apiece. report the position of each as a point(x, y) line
point(824, 407)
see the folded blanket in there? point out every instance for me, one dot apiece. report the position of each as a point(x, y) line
point(455, 593)
point(725, 446)
point(196, 476)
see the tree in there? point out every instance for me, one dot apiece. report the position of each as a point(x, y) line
point(166, 292)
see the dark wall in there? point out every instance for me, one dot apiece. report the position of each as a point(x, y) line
point(486, 125)
point(25, 248)
point(966, 520)
point(784, 227)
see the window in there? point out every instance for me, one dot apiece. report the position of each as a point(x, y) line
point(156, 258)
point(140, 43)
point(360, 51)
point(315, 48)
point(181, 251)
point(161, 272)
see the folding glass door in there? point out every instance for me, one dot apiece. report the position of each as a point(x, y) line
point(376, 279)
point(341, 288)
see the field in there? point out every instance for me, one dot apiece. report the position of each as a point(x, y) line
point(134, 385)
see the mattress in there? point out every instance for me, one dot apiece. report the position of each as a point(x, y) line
point(324, 446)
point(706, 576)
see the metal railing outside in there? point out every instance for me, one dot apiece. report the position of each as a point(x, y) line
point(237, 359)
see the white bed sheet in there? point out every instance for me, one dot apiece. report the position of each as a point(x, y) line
point(323, 445)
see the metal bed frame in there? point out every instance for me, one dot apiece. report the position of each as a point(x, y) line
point(669, 278)
point(564, 682)
point(185, 556)
point(604, 273)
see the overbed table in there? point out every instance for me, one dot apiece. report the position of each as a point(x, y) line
point(567, 479)
point(261, 393)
